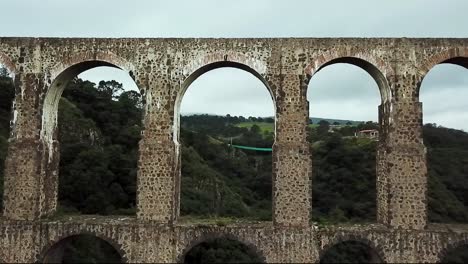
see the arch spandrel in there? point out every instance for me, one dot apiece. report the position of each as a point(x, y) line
point(208, 61)
point(258, 65)
point(327, 57)
point(95, 58)
point(432, 60)
point(204, 68)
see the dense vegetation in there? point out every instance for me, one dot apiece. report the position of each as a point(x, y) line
point(99, 130)
point(220, 181)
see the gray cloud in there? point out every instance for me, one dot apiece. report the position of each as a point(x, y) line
point(344, 92)
point(240, 18)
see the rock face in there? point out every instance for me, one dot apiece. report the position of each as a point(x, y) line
point(163, 69)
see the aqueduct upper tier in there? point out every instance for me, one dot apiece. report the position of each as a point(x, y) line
point(163, 69)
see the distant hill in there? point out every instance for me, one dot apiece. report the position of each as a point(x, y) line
point(315, 120)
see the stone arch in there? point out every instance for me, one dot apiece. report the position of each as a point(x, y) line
point(61, 74)
point(58, 78)
point(205, 237)
point(458, 56)
point(211, 62)
point(381, 72)
point(355, 238)
point(8, 63)
point(93, 59)
point(53, 244)
point(450, 246)
point(377, 68)
point(199, 67)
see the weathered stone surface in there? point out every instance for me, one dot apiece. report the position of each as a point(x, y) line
point(137, 241)
point(163, 69)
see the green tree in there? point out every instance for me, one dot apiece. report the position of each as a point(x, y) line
point(110, 88)
point(323, 127)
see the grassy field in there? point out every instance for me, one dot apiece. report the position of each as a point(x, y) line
point(263, 126)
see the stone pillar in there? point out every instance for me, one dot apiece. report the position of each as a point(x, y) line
point(402, 183)
point(291, 159)
point(156, 184)
point(381, 163)
point(30, 179)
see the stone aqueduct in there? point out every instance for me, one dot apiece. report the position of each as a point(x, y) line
point(163, 69)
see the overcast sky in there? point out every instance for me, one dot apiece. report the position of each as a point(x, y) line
point(338, 91)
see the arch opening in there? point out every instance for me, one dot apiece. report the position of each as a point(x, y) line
point(205, 69)
point(226, 109)
point(344, 132)
point(94, 110)
point(82, 248)
point(351, 251)
point(7, 97)
point(372, 70)
point(445, 115)
point(455, 254)
point(222, 250)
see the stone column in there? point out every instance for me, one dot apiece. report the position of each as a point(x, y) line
point(291, 159)
point(402, 185)
point(30, 189)
point(156, 184)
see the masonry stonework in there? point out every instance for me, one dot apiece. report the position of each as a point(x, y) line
point(163, 69)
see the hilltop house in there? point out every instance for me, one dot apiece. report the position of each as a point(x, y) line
point(368, 133)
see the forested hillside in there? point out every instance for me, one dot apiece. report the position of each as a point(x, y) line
point(100, 127)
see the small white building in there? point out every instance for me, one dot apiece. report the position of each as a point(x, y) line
point(368, 133)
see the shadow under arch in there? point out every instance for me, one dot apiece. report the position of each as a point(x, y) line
point(210, 237)
point(204, 69)
point(376, 254)
point(53, 251)
point(459, 246)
